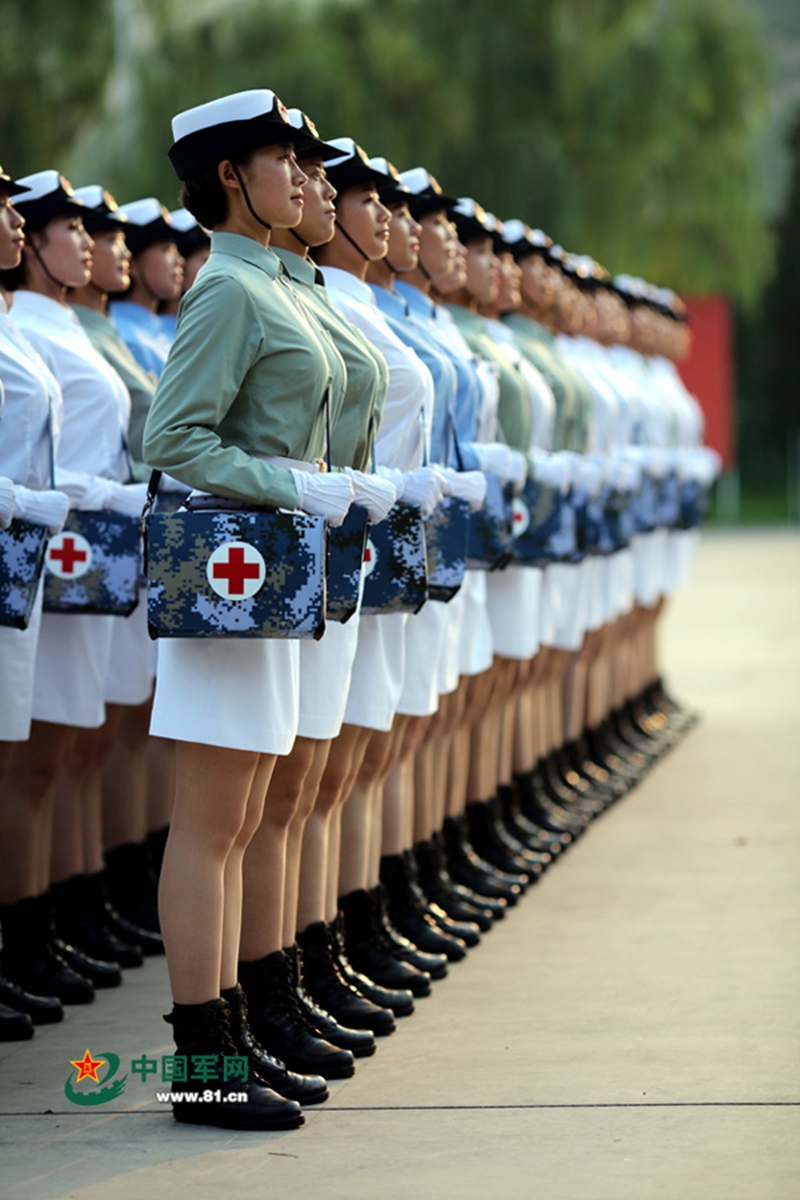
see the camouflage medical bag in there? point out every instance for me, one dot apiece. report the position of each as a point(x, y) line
point(490, 529)
point(94, 565)
point(446, 541)
point(234, 571)
point(22, 549)
point(346, 549)
point(395, 564)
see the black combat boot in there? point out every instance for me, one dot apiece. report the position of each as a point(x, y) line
point(29, 959)
point(205, 1030)
point(326, 984)
point(360, 1042)
point(271, 1071)
point(399, 1001)
point(280, 1023)
point(80, 915)
point(370, 950)
point(408, 911)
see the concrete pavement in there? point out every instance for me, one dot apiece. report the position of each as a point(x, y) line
point(630, 1032)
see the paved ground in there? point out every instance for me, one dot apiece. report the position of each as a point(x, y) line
point(631, 1032)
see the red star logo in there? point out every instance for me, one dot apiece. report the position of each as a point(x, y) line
point(87, 1066)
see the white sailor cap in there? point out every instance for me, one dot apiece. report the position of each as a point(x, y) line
point(393, 190)
point(147, 222)
point(230, 127)
point(470, 219)
point(10, 186)
point(100, 210)
point(307, 142)
point(190, 235)
point(426, 193)
point(351, 166)
point(48, 195)
point(521, 240)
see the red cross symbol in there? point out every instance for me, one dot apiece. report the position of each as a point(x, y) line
point(69, 555)
point(236, 570)
point(520, 517)
point(370, 557)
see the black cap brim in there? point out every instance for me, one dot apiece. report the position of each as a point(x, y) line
point(37, 213)
point(350, 174)
point(139, 237)
point(233, 140)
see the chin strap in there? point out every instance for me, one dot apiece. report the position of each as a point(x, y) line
point(352, 241)
point(245, 193)
point(30, 242)
point(302, 241)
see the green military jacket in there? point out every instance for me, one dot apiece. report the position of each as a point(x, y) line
point(573, 397)
point(367, 374)
point(247, 376)
point(514, 415)
point(102, 333)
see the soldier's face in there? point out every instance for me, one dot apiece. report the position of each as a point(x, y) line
point(12, 239)
point(66, 250)
point(483, 271)
point(509, 296)
point(111, 261)
point(366, 220)
point(404, 243)
point(162, 267)
point(275, 185)
point(319, 214)
point(436, 250)
point(539, 281)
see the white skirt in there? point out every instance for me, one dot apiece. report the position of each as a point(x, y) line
point(326, 669)
point(600, 567)
point(624, 575)
point(477, 650)
point(425, 634)
point(17, 667)
point(550, 606)
point(572, 583)
point(512, 600)
point(241, 693)
point(376, 683)
point(71, 664)
point(649, 551)
point(451, 648)
point(132, 665)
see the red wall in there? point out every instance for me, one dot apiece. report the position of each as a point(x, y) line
point(708, 371)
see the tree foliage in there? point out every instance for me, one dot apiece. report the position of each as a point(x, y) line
point(626, 128)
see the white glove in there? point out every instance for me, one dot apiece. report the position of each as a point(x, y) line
point(86, 493)
point(495, 458)
point(466, 485)
point(127, 499)
point(375, 494)
point(591, 473)
point(553, 470)
point(42, 508)
point(328, 494)
point(519, 470)
point(423, 487)
point(6, 502)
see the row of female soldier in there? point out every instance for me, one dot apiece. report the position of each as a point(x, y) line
point(346, 816)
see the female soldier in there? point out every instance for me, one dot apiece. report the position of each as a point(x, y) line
point(217, 419)
point(323, 754)
point(129, 683)
point(362, 235)
point(27, 393)
point(73, 650)
point(156, 276)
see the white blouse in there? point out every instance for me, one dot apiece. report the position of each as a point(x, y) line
point(96, 402)
point(408, 408)
point(32, 402)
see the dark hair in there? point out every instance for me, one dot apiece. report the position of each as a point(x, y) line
point(204, 196)
point(16, 277)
